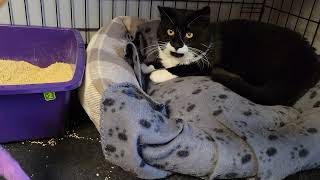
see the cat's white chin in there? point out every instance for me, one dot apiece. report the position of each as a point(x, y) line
point(169, 61)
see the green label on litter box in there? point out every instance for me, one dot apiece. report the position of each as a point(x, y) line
point(49, 96)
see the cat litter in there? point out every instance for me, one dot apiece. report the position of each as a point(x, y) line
point(54, 141)
point(75, 135)
point(21, 72)
point(39, 68)
point(51, 142)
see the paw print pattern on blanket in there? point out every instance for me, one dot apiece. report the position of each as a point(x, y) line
point(269, 130)
point(205, 131)
point(310, 101)
point(125, 128)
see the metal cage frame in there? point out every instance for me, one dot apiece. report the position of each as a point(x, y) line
point(263, 10)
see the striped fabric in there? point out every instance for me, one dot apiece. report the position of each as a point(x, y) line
point(105, 64)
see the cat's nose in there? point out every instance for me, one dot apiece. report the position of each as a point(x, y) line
point(176, 43)
point(177, 46)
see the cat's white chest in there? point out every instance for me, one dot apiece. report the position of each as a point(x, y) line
point(167, 60)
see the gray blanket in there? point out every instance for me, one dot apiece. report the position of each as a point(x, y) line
point(195, 126)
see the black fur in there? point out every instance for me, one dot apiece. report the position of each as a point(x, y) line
point(265, 63)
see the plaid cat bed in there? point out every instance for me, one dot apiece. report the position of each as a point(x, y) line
point(189, 125)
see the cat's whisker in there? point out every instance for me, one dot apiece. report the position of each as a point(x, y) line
point(200, 52)
point(198, 63)
point(205, 59)
point(202, 63)
point(156, 45)
point(207, 46)
point(162, 42)
point(196, 55)
point(151, 48)
point(195, 49)
point(152, 45)
point(151, 52)
point(200, 57)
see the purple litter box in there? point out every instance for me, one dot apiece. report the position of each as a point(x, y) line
point(29, 112)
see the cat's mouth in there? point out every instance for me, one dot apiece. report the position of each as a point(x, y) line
point(177, 55)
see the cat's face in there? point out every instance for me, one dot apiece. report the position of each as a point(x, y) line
point(183, 35)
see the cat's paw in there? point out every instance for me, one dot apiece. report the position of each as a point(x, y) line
point(161, 76)
point(147, 69)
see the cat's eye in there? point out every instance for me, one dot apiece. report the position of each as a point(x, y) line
point(189, 35)
point(170, 32)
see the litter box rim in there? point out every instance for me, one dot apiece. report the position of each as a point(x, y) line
point(74, 83)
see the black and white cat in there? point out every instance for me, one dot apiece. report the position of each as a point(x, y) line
point(265, 63)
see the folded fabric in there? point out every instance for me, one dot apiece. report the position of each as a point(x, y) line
point(206, 131)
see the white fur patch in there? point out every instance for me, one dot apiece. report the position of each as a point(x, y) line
point(183, 50)
point(161, 76)
point(170, 47)
point(169, 61)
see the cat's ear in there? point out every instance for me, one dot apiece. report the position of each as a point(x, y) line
point(202, 15)
point(166, 12)
point(161, 10)
point(205, 11)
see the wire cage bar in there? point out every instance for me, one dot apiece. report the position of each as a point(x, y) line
point(302, 16)
point(88, 16)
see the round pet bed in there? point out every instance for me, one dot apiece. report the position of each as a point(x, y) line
point(190, 125)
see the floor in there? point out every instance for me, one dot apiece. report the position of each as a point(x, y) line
point(78, 155)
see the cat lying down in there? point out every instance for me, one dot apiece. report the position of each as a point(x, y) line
point(9, 168)
point(267, 64)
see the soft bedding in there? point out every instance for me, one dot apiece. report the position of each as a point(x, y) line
point(189, 125)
